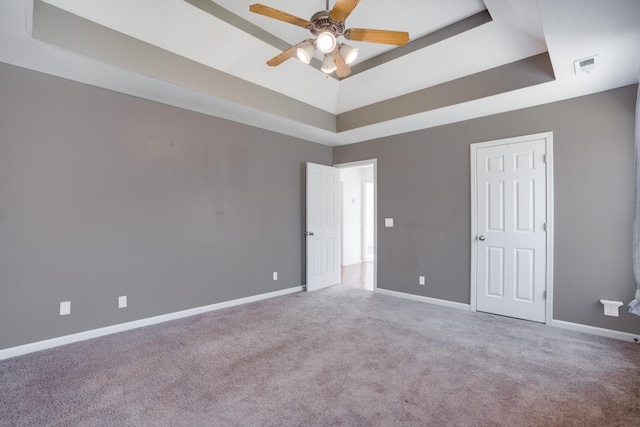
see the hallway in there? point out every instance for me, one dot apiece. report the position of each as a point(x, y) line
point(359, 275)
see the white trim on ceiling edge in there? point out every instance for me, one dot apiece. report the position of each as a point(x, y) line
point(108, 330)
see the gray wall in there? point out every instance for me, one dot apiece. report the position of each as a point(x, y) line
point(103, 194)
point(424, 184)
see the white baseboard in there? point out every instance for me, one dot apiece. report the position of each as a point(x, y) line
point(436, 301)
point(609, 333)
point(108, 330)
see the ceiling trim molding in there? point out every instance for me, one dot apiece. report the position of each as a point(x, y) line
point(60, 28)
point(527, 72)
point(442, 34)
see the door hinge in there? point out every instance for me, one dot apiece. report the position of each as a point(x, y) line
point(544, 294)
point(544, 159)
point(544, 226)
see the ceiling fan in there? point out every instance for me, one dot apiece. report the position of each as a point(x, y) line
point(327, 26)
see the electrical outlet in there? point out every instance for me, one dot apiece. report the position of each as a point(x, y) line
point(275, 275)
point(65, 308)
point(421, 280)
point(122, 301)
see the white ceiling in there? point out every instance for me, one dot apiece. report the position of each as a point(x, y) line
point(568, 29)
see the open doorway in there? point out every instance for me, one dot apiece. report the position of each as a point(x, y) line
point(358, 224)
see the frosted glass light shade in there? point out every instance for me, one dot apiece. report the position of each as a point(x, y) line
point(328, 66)
point(348, 53)
point(305, 52)
point(326, 42)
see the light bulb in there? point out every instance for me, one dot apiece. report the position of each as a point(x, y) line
point(326, 42)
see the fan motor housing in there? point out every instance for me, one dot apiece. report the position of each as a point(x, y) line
point(321, 22)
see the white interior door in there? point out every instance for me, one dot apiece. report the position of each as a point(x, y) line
point(323, 226)
point(511, 229)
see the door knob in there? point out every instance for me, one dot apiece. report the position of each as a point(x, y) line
point(481, 238)
point(309, 233)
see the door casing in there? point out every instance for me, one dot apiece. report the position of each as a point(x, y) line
point(548, 137)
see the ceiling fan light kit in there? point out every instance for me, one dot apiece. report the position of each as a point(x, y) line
point(328, 64)
point(306, 52)
point(348, 53)
point(327, 26)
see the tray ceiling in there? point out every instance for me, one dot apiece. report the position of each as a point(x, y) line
point(466, 59)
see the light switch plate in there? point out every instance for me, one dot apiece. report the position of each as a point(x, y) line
point(275, 275)
point(122, 301)
point(388, 222)
point(421, 280)
point(65, 308)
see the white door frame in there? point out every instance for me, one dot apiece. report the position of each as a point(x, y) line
point(548, 137)
point(374, 163)
point(363, 220)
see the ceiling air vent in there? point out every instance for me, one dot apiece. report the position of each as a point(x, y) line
point(585, 66)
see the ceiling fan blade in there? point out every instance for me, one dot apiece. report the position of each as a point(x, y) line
point(398, 38)
point(280, 15)
point(342, 9)
point(279, 59)
point(343, 69)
